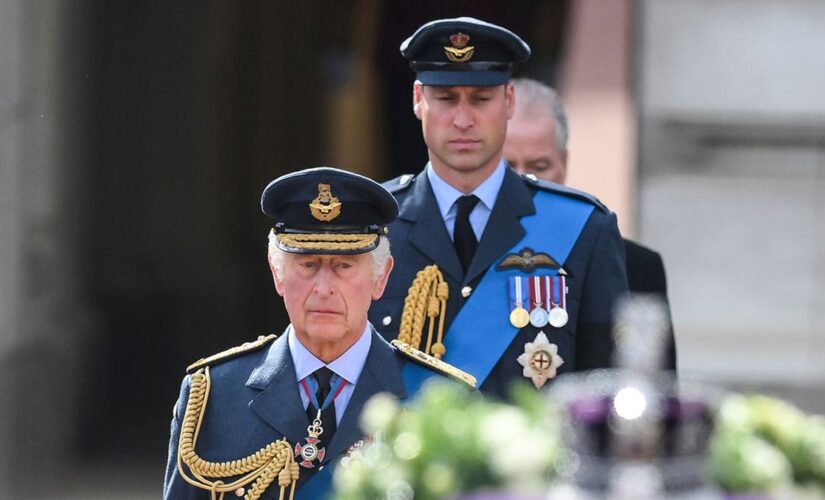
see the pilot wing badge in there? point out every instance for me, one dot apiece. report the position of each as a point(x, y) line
point(527, 260)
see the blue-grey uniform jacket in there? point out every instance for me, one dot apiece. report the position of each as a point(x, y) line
point(254, 400)
point(595, 267)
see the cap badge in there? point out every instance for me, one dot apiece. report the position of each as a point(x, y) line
point(459, 52)
point(325, 207)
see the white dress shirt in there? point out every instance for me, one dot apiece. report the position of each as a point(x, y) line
point(446, 196)
point(347, 366)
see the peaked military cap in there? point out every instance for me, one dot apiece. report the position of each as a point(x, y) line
point(326, 210)
point(464, 51)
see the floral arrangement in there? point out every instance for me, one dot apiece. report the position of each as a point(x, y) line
point(764, 445)
point(451, 441)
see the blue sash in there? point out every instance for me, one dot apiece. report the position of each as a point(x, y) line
point(481, 331)
point(319, 486)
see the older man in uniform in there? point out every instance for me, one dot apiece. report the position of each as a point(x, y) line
point(527, 271)
point(536, 143)
point(280, 410)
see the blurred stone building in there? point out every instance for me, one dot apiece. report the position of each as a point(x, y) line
point(732, 184)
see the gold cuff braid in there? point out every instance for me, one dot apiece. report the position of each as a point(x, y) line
point(274, 460)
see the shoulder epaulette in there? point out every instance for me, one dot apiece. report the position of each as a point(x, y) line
point(399, 184)
point(564, 190)
point(230, 353)
point(436, 364)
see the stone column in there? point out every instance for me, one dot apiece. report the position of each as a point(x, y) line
point(41, 92)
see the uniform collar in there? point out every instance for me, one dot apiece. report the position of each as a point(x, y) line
point(446, 195)
point(348, 365)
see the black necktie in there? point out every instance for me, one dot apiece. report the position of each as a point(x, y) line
point(464, 238)
point(323, 376)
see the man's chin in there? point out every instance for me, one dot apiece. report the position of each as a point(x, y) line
point(467, 161)
point(463, 162)
point(321, 332)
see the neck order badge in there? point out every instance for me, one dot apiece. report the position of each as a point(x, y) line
point(310, 451)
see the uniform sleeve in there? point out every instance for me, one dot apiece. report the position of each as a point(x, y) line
point(174, 486)
point(605, 283)
point(670, 341)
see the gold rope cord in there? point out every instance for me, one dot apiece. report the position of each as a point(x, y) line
point(275, 459)
point(427, 297)
point(325, 241)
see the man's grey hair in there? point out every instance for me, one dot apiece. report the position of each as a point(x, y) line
point(533, 97)
point(379, 255)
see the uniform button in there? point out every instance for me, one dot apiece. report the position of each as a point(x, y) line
point(386, 321)
point(240, 492)
point(466, 291)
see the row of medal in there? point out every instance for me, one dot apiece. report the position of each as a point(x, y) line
point(545, 297)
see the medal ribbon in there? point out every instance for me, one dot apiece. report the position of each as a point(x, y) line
point(562, 293)
point(518, 283)
point(517, 289)
point(536, 296)
point(548, 297)
point(334, 391)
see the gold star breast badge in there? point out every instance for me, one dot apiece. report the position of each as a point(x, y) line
point(540, 360)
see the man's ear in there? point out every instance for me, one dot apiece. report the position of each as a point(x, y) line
point(279, 286)
point(418, 97)
point(381, 283)
point(510, 99)
point(564, 157)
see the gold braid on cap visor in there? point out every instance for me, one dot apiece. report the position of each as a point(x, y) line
point(327, 241)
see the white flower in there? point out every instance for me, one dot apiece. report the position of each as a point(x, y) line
point(378, 414)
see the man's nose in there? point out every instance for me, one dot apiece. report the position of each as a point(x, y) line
point(463, 117)
point(324, 280)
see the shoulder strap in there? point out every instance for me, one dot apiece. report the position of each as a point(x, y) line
point(233, 352)
point(433, 363)
point(399, 184)
point(552, 187)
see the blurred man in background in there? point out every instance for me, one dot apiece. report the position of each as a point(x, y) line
point(536, 143)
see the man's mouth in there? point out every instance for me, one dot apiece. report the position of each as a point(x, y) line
point(326, 312)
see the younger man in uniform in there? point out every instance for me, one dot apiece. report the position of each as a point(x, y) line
point(532, 269)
